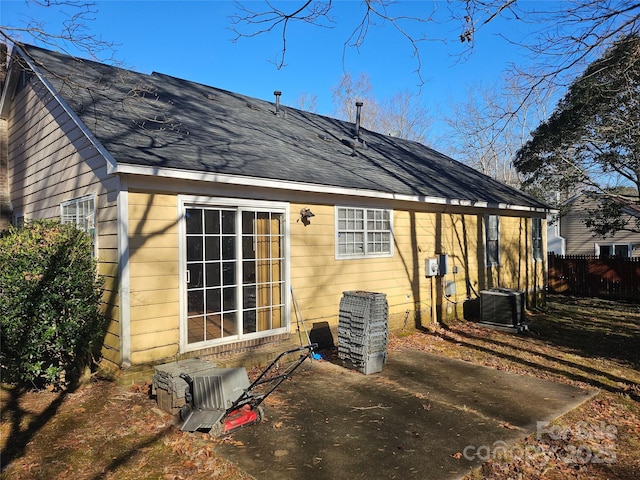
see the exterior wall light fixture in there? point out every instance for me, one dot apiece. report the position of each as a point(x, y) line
point(305, 216)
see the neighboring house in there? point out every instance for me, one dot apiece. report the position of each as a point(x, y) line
point(580, 240)
point(209, 209)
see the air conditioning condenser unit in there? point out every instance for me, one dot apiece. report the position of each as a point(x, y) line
point(502, 306)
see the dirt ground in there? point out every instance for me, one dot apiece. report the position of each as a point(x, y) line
point(103, 431)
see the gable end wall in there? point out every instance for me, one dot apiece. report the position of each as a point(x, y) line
point(50, 161)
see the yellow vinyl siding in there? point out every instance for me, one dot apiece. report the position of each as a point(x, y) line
point(147, 228)
point(162, 270)
point(313, 270)
point(149, 336)
point(319, 280)
point(517, 267)
point(149, 283)
point(151, 255)
point(153, 283)
point(151, 298)
point(107, 269)
point(155, 352)
point(111, 344)
point(58, 186)
point(142, 311)
point(153, 241)
point(153, 325)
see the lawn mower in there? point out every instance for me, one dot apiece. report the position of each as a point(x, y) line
point(222, 401)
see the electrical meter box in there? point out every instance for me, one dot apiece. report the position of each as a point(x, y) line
point(437, 266)
point(431, 267)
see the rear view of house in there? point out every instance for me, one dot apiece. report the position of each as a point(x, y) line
point(211, 211)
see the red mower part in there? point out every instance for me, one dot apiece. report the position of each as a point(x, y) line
point(241, 417)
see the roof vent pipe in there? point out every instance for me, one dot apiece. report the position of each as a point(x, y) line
point(277, 93)
point(358, 110)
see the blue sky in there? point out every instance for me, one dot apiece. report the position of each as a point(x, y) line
point(192, 40)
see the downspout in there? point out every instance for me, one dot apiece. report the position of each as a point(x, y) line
point(124, 286)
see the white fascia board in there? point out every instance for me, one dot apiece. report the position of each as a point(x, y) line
point(300, 187)
point(111, 162)
point(521, 208)
point(268, 183)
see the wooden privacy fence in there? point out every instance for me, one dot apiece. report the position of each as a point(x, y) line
point(593, 276)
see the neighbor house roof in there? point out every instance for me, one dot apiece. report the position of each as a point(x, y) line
point(162, 125)
point(628, 202)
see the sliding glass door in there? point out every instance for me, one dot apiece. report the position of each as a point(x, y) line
point(234, 273)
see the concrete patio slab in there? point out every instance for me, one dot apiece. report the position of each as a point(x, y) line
point(412, 420)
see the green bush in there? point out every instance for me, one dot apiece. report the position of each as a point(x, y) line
point(49, 304)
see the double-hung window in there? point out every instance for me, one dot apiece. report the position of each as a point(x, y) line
point(492, 239)
point(81, 212)
point(363, 232)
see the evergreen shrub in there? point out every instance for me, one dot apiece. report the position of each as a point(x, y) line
point(50, 297)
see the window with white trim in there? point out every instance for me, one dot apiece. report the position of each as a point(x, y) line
point(363, 232)
point(81, 212)
point(492, 239)
point(606, 250)
point(536, 238)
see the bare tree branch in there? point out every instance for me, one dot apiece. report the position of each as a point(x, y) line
point(377, 11)
point(567, 35)
point(71, 31)
point(401, 115)
point(249, 23)
point(307, 102)
point(259, 23)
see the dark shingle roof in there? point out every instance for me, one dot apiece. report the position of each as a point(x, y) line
point(162, 121)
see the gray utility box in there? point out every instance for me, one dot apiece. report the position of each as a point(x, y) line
point(502, 306)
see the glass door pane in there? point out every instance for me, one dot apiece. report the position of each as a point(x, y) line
point(211, 274)
point(195, 276)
